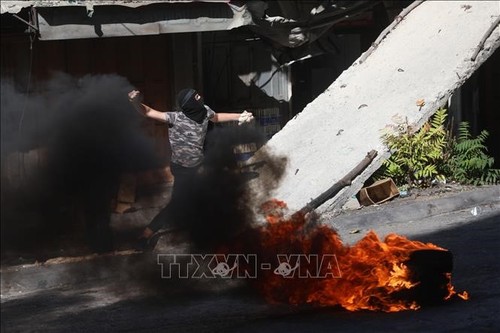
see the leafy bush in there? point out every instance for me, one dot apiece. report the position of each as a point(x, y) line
point(468, 162)
point(418, 157)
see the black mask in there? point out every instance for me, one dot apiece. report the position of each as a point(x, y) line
point(194, 109)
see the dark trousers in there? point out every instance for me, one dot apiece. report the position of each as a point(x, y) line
point(172, 212)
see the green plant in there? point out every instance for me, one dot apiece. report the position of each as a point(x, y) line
point(418, 156)
point(469, 162)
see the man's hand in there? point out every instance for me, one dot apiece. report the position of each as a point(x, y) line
point(245, 117)
point(135, 97)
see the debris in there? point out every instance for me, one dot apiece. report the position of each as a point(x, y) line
point(420, 102)
point(404, 193)
point(362, 106)
point(476, 211)
point(340, 132)
point(400, 70)
point(355, 231)
point(379, 192)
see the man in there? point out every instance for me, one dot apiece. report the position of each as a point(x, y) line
point(187, 132)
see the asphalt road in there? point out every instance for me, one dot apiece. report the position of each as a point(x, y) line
point(176, 306)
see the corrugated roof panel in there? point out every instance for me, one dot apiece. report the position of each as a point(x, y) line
point(15, 6)
point(73, 22)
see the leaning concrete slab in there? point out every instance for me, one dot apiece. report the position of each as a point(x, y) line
point(424, 55)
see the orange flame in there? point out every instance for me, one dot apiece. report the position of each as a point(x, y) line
point(366, 276)
point(273, 210)
point(463, 295)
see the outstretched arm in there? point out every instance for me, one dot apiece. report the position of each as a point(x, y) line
point(244, 117)
point(135, 97)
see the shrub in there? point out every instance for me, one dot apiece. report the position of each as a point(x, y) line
point(418, 156)
point(469, 162)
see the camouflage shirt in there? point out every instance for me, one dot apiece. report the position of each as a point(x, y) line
point(187, 137)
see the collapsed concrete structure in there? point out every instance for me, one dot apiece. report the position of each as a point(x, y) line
point(410, 71)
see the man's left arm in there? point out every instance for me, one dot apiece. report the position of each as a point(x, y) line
point(244, 117)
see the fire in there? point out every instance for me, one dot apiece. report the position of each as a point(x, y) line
point(463, 295)
point(273, 210)
point(371, 275)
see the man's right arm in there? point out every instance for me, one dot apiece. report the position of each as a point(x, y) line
point(135, 98)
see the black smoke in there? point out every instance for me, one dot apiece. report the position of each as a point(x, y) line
point(220, 204)
point(89, 135)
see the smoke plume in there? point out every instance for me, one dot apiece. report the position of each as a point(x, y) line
point(88, 135)
point(218, 204)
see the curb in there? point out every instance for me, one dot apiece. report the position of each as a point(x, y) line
point(410, 211)
point(63, 272)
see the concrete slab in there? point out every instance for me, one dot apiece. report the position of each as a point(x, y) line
point(425, 57)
